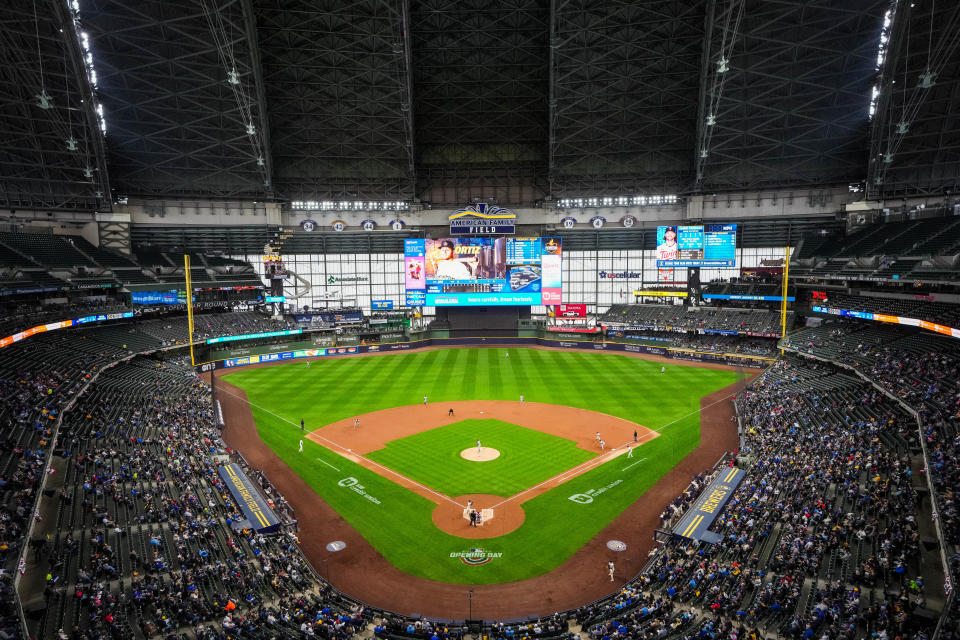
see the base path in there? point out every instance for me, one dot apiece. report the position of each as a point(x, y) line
point(380, 427)
point(361, 572)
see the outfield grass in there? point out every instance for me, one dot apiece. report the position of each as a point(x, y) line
point(400, 526)
point(527, 457)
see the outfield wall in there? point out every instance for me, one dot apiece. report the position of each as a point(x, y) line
point(732, 359)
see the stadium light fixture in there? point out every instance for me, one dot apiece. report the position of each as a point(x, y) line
point(711, 120)
point(882, 47)
point(927, 79)
point(723, 65)
point(71, 144)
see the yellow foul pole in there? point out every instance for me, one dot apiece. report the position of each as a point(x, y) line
point(783, 295)
point(189, 284)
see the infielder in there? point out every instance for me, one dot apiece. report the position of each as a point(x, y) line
point(521, 398)
point(629, 451)
point(610, 569)
point(356, 423)
point(424, 399)
point(602, 445)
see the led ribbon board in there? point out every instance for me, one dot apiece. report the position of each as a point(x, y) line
point(880, 317)
point(253, 336)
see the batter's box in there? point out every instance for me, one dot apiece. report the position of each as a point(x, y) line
point(484, 516)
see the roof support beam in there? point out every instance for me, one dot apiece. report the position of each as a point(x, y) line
point(71, 45)
point(699, 161)
point(714, 73)
point(554, 43)
point(250, 25)
point(407, 105)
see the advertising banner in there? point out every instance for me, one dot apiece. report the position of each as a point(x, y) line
point(717, 296)
point(878, 317)
point(571, 311)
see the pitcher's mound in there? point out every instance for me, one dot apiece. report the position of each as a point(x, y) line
point(483, 455)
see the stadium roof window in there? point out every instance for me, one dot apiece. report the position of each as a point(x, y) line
point(616, 201)
point(349, 205)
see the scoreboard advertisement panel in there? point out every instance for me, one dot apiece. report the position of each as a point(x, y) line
point(712, 245)
point(463, 272)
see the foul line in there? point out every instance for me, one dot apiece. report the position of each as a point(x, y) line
point(347, 451)
point(326, 463)
point(634, 464)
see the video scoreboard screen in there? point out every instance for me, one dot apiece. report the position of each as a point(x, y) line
point(712, 245)
point(473, 272)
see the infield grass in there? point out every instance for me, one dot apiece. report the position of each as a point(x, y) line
point(399, 523)
point(527, 457)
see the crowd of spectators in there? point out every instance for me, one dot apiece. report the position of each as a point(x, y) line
point(821, 539)
point(682, 318)
point(711, 343)
point(810, 529)
point(922, 370)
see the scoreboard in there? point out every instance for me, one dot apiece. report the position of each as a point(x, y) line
point(467, 272)
point(712, 245)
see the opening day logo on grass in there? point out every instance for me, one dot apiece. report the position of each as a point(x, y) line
point(587, 498)
point(476, 557)
point(354, 485)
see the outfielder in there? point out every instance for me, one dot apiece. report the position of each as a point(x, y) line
point(301, 446)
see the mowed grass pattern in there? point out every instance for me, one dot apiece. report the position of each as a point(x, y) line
point(401, 526)
point(527, 457)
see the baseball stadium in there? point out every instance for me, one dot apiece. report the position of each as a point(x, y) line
point(450, 320)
